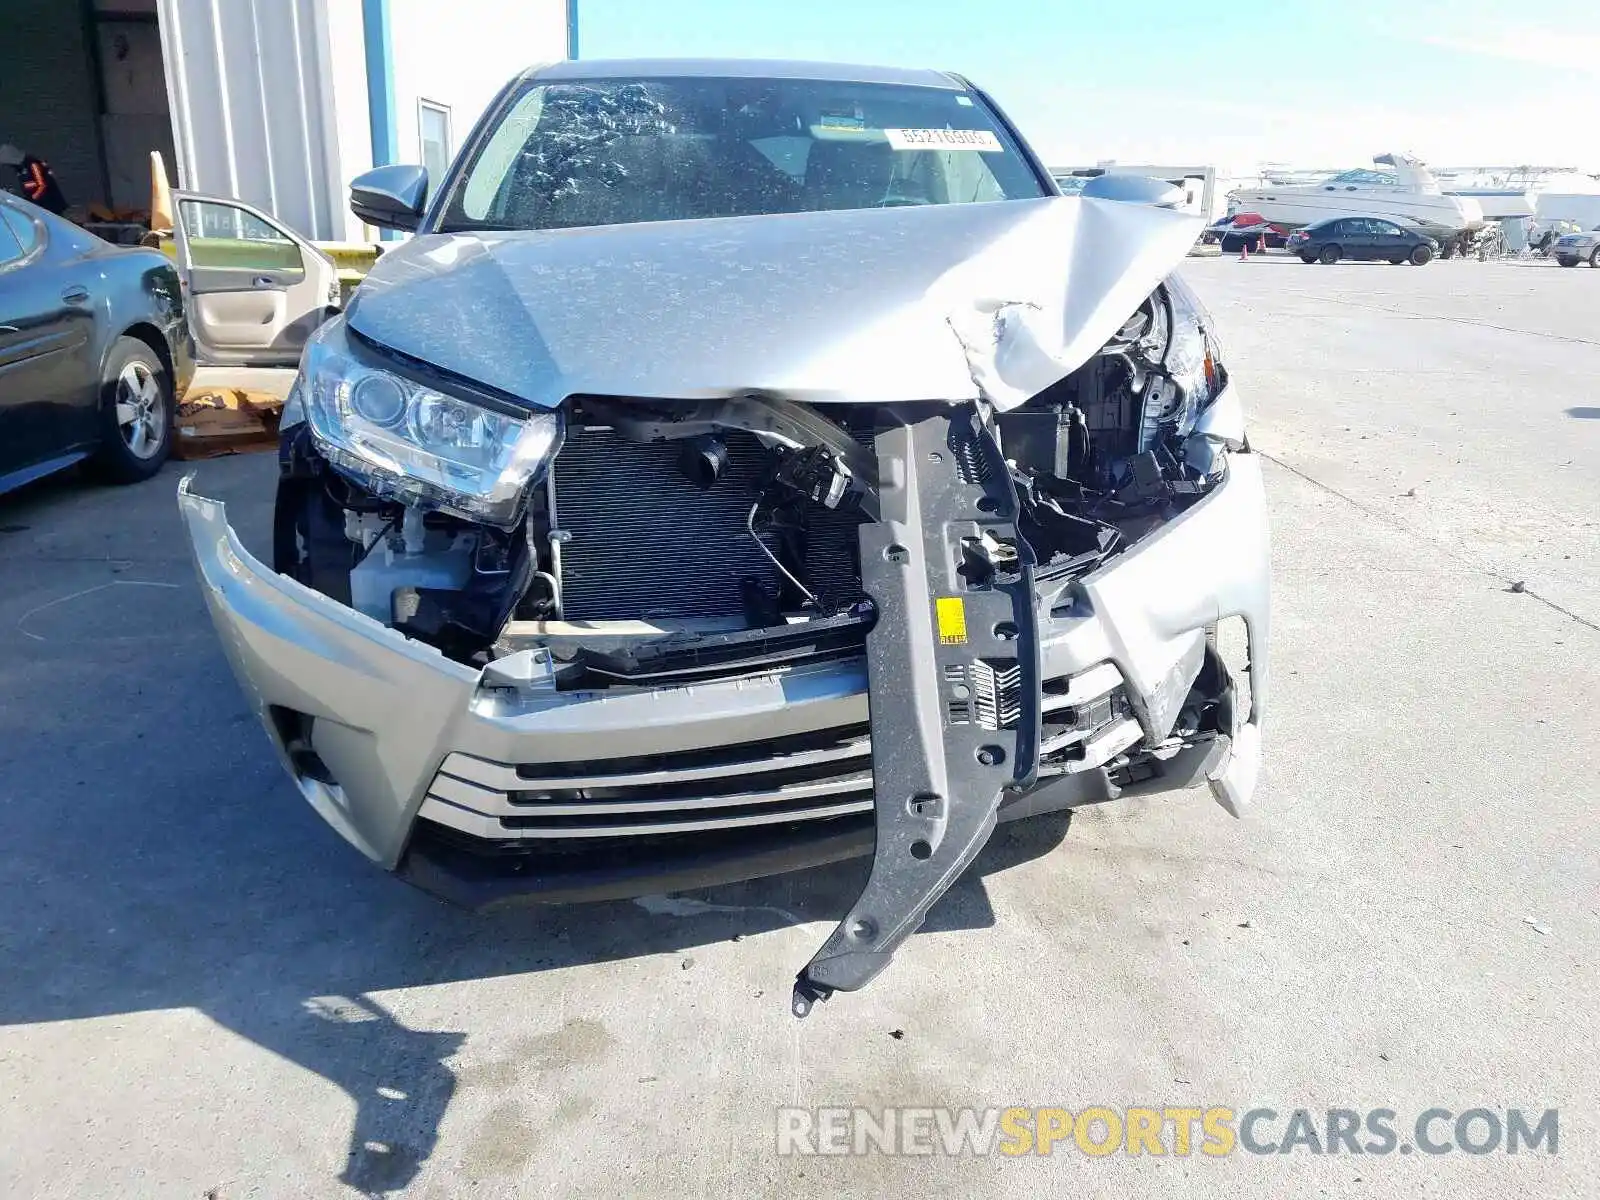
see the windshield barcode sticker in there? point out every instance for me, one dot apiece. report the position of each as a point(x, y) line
point(982, 140)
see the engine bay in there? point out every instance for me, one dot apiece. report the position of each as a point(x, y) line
point(668, 538)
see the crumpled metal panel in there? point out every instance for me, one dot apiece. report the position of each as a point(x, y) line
point(875, 306)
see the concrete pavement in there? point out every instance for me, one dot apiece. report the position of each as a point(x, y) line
point(204, 992)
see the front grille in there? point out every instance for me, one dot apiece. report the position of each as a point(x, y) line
point(786, 782)
point(805, 777)
point(645, 543)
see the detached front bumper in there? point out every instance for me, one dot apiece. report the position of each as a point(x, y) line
point(489, 785)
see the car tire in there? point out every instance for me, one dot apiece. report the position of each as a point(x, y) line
point(1594, 258)
point(1566, 260)
point(1330, 255)
point(1308, 259)
point(1421, 256)
point(138, 413)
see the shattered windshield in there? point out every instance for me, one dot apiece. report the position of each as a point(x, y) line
point(606, 152)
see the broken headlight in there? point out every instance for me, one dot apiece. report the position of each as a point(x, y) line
point(1189, 376)
point(1193, 354)
point(407, 440)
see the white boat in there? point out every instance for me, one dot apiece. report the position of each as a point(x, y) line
point(1508, 192)
point(1406, 189)
point(1569, 197)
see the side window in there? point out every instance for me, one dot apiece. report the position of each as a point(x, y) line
point(433, 129)
point(957, 177)
point(10, 248)
point(221, 235)
point(1388, 229)
point(787, 153)
point(483, 197)
point(23, 228)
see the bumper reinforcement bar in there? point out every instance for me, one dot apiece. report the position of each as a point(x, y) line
point(953, 681)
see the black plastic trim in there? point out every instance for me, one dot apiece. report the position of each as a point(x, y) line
point(487, 876)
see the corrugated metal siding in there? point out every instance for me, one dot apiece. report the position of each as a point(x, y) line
point(252, 107)
point(47, 92)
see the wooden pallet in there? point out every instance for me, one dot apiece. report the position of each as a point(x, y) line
point(214, 421)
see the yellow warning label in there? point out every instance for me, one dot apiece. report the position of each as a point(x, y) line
point(951, 614)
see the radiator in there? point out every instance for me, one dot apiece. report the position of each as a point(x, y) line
point(647, 544)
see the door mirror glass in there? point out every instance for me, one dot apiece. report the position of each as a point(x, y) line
point(222, 235)
point(390, 197)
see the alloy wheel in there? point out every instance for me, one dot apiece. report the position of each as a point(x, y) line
point(141, 410)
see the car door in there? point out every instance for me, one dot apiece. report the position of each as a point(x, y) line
point(1358, 239)
point(1383, 239)
point(1390, 239)
point(256, 289)
point(46, 345)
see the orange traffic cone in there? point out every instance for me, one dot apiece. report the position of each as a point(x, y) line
point(1244, 251)
point(160, 195)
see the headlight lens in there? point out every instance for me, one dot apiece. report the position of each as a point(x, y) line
point(402, 439)
point(1191, 366)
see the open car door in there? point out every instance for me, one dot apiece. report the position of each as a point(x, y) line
point(256, 289)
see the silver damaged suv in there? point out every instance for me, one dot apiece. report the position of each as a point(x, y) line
point(747, 466)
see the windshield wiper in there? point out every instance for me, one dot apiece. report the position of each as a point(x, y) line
point(478, 227)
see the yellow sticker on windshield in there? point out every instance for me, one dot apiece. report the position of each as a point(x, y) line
point(950, 614)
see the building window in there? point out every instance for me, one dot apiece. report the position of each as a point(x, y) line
point(433, 125)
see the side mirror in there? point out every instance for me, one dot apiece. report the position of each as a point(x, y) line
point(390, 197)
point(1134, 189)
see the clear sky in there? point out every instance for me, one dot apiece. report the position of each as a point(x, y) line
point(1313, 82)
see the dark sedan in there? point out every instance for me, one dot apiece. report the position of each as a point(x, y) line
point(1361, 239)
point(94, 350)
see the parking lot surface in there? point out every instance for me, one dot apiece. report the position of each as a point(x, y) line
point(203, 992)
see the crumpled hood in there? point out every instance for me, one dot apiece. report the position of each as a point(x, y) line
point(876, 306)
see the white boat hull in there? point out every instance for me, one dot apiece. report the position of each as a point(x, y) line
point(1499, 204)
point(1580, 208)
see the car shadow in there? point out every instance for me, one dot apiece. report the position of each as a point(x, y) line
point(1275, 256)
point(152, 856)
point(18, 506)
point(1584, 413)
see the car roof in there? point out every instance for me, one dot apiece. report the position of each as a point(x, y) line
point(1404, 222)
point(742, 68)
